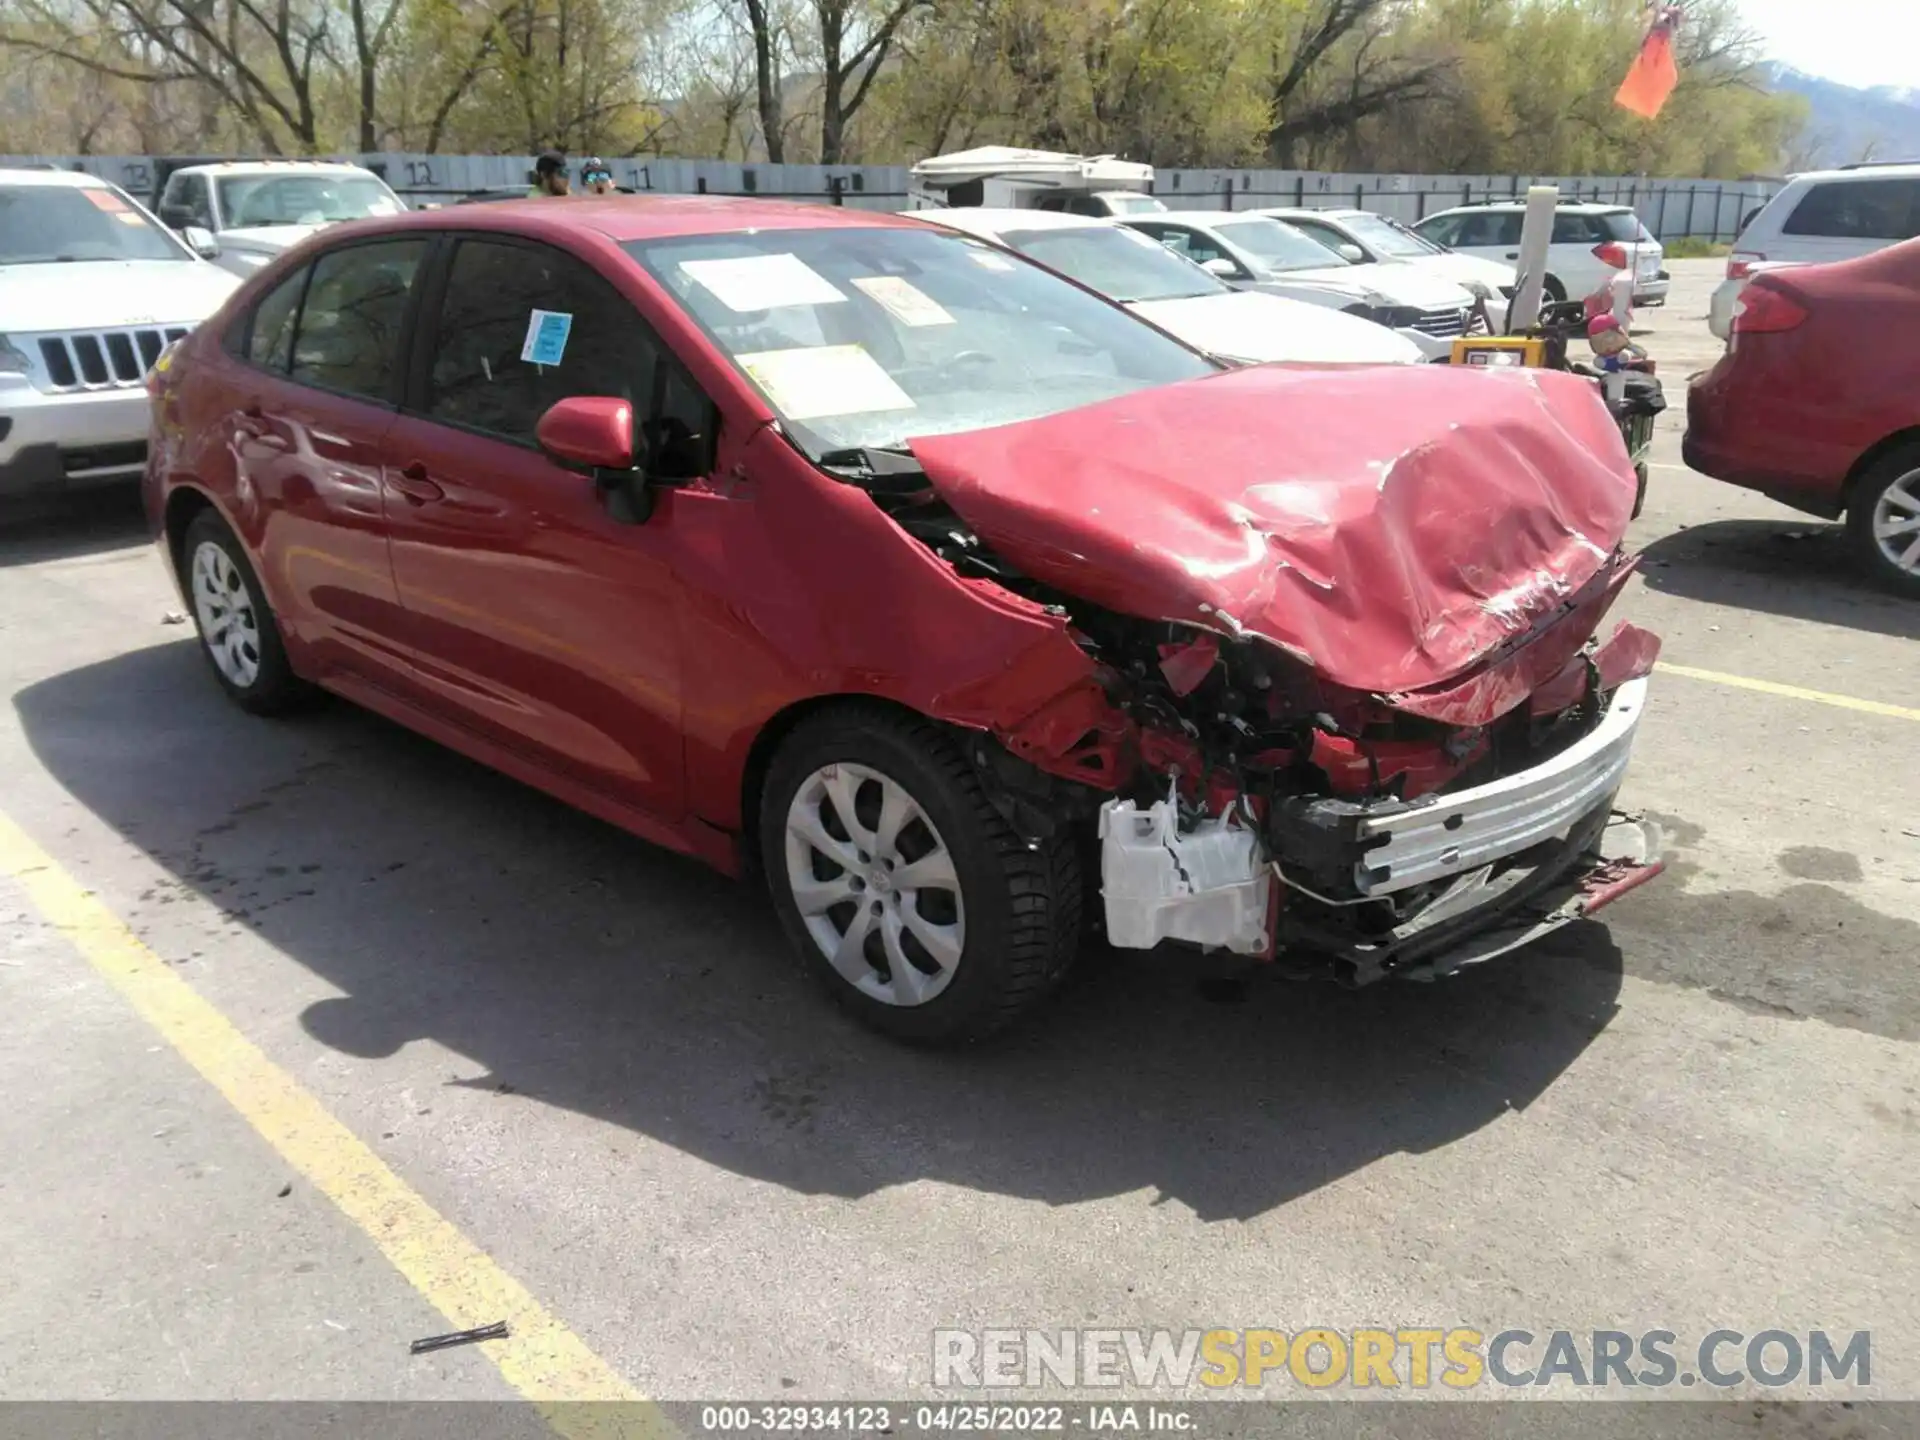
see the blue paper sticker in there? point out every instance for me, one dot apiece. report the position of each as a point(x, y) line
point(546, 342)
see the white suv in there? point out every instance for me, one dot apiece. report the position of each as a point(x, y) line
point(92, 289)
point(1820, 216)
point(240, 214)
point(1591, 244)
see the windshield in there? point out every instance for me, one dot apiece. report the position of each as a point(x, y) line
point(1387, 238)
point(252, 201)
point(43, 224)
point(1134, 205)
point(864, 338)
point(1276, 245)
point(1121, 264)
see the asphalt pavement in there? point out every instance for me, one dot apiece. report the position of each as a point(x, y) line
point(320, 1038)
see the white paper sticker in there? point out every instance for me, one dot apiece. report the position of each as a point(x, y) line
point(988, 260)
point(906, 303)
point(762, 282)
point(821, 380)
point(546, 342)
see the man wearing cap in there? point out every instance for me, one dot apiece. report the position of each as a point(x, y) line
point(550, 176)
point(596, 175)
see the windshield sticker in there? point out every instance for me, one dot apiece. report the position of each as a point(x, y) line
point(762, 282)
point(546, 341)
point(905, 302)
point(106, 200)
point(988, 260)
point(131, 217)
point(821, 380)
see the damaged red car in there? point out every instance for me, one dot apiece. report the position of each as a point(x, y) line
point(969, 609)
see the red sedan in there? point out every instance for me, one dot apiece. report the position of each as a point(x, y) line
point(956, 600)
point(1816, 402)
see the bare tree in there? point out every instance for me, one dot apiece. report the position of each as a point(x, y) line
point(1302, 108)
point(852, 52)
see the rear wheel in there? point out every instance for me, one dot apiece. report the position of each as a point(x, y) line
point(238, 632)
point(905, 891)
point(1554, 290)
point(1883, 521)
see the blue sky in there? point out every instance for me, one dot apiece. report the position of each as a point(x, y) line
point(1857, 42)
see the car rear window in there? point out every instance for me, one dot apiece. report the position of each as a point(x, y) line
point(1858, 210)
point(1625, 226)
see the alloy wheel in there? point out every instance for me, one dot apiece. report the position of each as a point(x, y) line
point(223, 606)
point(875, 884)
point(1896, 522)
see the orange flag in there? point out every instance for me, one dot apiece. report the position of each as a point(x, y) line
point(1653, 74)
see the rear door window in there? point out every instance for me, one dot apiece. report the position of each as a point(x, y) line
point(1858, 210)
point(348, 337)
point(1578, 230)
point(270, 331)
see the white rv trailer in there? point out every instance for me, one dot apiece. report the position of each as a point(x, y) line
point(1005, 177)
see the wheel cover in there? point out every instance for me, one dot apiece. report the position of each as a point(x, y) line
point(223, 607)
point(1896, 523)
point(875, 884)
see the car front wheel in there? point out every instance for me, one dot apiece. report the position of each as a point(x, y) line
point(1883, 521)
point(909, 896)
point(238, 632)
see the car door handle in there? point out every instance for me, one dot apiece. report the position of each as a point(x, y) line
point(415, 484)
point(1513, 254)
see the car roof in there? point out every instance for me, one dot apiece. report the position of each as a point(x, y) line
point(1565, 207)
point(640, 217)
point(1875, 170)
point(992, 220)
point(67, 178)
point(274, 167)
point(1194, 217)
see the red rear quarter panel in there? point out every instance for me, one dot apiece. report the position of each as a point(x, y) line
point(1792, 412)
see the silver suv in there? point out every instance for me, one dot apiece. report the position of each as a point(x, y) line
point(92, 289)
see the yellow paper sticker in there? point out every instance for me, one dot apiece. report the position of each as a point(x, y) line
point(762, 282)
point(905, 302)
point(812, 381)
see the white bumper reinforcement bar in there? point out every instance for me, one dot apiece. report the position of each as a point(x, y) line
point(1459, 832)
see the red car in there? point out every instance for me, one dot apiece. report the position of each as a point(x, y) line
point(1816, 402)
point(963, 604)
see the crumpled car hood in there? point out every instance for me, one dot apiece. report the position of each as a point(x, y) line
point(1392, 527)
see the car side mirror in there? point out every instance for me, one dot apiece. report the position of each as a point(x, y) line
point(1350, 252)
point(1221, 266)
point(596, 433)
point(176, 217)
point(201, 242)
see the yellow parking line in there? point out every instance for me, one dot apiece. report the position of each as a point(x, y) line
point(541, 1359)
point(1790, 692)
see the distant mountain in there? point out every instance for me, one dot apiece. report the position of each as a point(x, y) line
point(1846, 124)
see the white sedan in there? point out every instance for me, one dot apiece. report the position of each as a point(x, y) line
point(1253, 252)
point(1364, 238)
point(1179, 296)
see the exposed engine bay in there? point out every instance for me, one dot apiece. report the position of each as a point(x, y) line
point(1242, 800)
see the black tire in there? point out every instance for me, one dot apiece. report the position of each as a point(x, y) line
point(1020, 903)
point(274, 689)
point(1553, 289)
point(1639, 489)
point(1902, 464)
